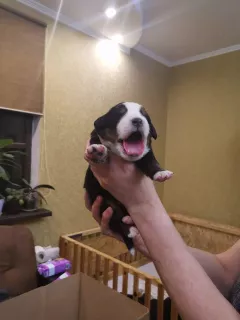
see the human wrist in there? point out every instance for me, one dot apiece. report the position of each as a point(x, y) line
point(146, 204)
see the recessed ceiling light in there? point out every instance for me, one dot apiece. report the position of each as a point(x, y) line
point(117, 38)
point(110, 12)
point(108, 51)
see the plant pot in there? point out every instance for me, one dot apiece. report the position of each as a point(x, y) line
point(1, 206)
point(12, 207)
point(31, 204)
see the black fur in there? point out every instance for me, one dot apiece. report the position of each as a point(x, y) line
point(105, 127)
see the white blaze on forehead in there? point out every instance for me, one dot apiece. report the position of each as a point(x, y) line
point(124, 127)
point(133, 107)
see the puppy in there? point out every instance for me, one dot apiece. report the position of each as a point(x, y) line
point(126, 130)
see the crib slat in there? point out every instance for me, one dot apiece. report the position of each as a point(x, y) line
point(174, 313)
point(106, 271)
point(135, 255)
point(147, 293)
point(82, 260)
point(75, 258)
point(67, 247)
point(62, 246)
point(89, 263)
point(125, 281)
point(122, 257)
point(160, 302)
point(135, 286)
point(97, 269)
point(115, 276)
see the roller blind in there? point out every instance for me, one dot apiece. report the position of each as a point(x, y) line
point(22, 44)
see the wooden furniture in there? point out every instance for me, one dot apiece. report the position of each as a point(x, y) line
point(205, 235)
point(80, 249)
point(24, 216)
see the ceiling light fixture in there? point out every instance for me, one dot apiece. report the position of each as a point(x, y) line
point(110, 12)
point(117, 38)
point(109, 52)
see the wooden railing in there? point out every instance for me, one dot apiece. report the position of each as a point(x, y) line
point(103, 268)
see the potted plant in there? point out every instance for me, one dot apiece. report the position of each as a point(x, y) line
point(14, 201)
point(7, 159)
point(32, 197)
point(8, 202)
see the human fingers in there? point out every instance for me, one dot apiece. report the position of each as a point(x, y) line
point(127, 220)
point(105, 225)
point(96, 209)
point(107, 214)
point(87, 201)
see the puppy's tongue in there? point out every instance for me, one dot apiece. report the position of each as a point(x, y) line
point(133, 148)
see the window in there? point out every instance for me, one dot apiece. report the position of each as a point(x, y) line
point(18, 127)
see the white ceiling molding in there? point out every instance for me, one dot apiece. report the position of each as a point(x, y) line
point(65, 20)
point(206, 55)
point(152, 55)
point(198, 57)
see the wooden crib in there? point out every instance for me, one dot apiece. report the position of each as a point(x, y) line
point(108, 261)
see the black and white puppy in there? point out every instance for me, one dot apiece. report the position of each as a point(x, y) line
point(126, 130)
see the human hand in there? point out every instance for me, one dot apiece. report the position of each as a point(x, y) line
point(133, 188)
point(104, 224)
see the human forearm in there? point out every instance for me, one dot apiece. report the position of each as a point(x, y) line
point(214, 268)
point(186, 282)
point(211, 264)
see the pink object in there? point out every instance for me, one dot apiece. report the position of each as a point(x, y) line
point(54, 267)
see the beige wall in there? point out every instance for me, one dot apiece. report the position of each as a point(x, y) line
point(203, 139)
point(78, 89)
point(203, 135)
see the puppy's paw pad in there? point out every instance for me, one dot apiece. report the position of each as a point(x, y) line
point(162, 176)
point(132, 251)
point(132, 232)
point(96, 153)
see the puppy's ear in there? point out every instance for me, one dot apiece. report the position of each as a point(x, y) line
point(101, 124)
point(153, 131)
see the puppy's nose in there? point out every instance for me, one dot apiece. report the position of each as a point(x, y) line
point(137, 122)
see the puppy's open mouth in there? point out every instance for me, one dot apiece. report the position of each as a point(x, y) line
point(134, 145)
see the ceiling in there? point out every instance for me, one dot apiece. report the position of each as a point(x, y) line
point(172, 32)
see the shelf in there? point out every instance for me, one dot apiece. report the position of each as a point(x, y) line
point(24, 216)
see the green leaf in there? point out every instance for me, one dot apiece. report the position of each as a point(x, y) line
point(3, 174)
point(9, 161)
point(5, 142)
point(9, 165)
point(26, 184)
point(8, 155)
point(44, 186)
point(41, 196)
point(16, 152)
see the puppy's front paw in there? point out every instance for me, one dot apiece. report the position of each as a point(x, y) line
point(132, 232)
point(96, 153)
point(162, 176)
